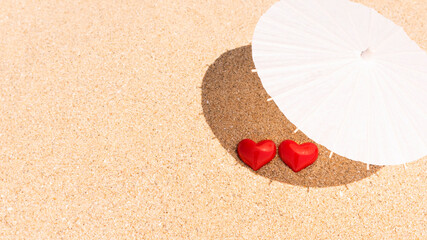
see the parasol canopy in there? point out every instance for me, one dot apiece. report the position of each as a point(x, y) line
point(346, 76)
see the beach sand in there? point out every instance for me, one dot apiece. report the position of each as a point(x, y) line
point(120, 120)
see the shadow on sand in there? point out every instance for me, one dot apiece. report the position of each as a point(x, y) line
point(235, 107)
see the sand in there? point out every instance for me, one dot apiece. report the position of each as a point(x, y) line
point(119, 120)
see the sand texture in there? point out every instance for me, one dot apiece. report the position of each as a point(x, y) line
point(120, 120)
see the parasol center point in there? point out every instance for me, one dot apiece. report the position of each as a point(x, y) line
point(366, 54)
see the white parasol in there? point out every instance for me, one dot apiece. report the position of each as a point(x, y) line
point(347, 77)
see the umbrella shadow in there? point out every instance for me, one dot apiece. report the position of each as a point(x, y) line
point(235, 107)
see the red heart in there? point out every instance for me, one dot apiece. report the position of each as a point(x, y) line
point(256, 155)
point(296, 156)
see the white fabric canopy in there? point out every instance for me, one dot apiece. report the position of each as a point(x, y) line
point(347, 77)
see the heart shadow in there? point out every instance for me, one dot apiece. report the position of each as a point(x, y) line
point(235, 107)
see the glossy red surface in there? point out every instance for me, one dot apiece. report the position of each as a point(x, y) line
point(256, 155)
point(297, 156)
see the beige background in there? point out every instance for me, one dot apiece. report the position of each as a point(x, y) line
point(119, 119)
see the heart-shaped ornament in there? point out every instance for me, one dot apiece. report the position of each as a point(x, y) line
point(256, 155)
point(297, 156)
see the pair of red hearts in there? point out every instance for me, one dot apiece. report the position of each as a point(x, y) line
point(296, 156)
